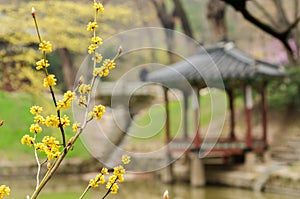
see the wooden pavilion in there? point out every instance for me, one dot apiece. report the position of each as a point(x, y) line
point(237, 72)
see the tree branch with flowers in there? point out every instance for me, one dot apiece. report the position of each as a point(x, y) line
point(55, 149)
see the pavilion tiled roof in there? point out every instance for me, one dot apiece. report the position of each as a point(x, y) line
point(221, 61)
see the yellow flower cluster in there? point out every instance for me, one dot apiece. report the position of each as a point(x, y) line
point(42, 64)
point(50, 146)
point(98, 58)
point(91, 26)
point(52, 120)
point(69, 96)
point(35, 110)
point(113, 180)
point(75, 127)
point(45, 46)
point(49, 81)
point(99, 7)
point(97, 112)
point(4, 191)
point(126, 159)
point(26, 139)
point(35, 128)
point(103, 71)
point(84, 88)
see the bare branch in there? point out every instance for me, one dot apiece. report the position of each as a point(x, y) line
point(282, 17)
point(265, 13)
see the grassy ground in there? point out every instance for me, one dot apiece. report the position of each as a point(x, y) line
point(14, 110)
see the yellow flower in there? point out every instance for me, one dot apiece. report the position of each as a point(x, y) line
point(75, 126)
point(97, 58)
point(125, 159)
point(110, 64)
point(82, 101)
point(84, 88)
point(98, 72)
point(40, 147)
point(51, 147)
point(39, 119)
point(98, 111)
point(99, 179)
point(65, 121)
point(42, 64)
point(92, 48)
point(97, 40)
point(4, 190)
point(91, 26)
point(49, 81)
point(35, 128)
point(114, 189)
point(69, 95)
point(45, 46)
point(52, 120)
point(99, 7)
point(105, 72)
point(26, 139)
point(104, 171)
point(36, 109)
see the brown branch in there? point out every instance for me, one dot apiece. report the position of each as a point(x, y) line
point(265, 13)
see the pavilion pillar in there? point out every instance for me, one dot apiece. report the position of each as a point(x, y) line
point(197, 138)
point(248, 114)
point(185, 114)
point(264, 113)
point(167, 125)
point(230, 94)
point(167, 172)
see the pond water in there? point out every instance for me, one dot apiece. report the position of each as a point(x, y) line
point(65, 188)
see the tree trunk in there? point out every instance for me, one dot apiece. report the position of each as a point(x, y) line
point(67, 67)
point(216, 11)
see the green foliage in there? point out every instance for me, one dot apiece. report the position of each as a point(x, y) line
point(286, 93)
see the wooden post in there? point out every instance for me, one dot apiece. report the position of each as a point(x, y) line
point(248, 111)
point(167, 172)
point(264, 110)
point(167, 126)
point(197, 139)
point(185, 114)
point(230, 93)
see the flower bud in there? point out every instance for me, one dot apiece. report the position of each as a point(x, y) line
point(120, 50)
point(33, 12)
point(166, 195)
point(1, 122)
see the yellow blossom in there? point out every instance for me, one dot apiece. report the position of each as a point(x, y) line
point(105, 72)
point(91, 26)
point(45, 46)
point(82, 101)
point(65, 121)
point(69, 95)
point(92, 48)
point(84, 88)
point(40, 147)
point(26, 139)
point(36, 109)
point(97, 40)
point(75, 126)
point(125, 159)
point(49, 81)
point(98, 111)
point(99, 179)
point(39, 119)
point(99, 7)
point(52, 120)
point(97, 58)
point(98, 72)
point(4, 191)
point(110, 64)
point(112, 187)
point(35, 128)
point(51, 147)
point(104, 171)
point(42, 64)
